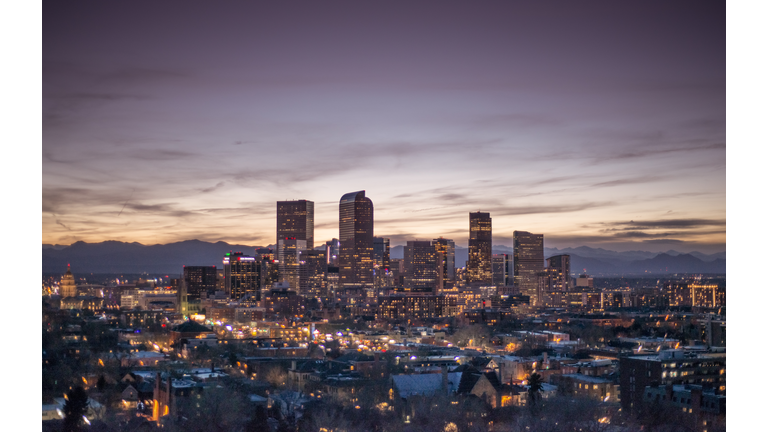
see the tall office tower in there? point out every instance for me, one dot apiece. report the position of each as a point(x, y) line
point(313, 269)
point(562, 266)
point(381, 252)
point(242, 276)
point(447, 250)
point(289, 257)
point(296, 220)
point(332, 252)
point(548, 292)
point(500, 266)
point(479, 264)
point(270, 271)
point(199, 280)
point(196, 282)
point(423, 268)
point(529, 262)
point(355, 240)
point(67, 287)
point(381, 262)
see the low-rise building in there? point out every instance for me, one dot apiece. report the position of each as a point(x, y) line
point(591, 387)
point(668, 367)
point(703, 406)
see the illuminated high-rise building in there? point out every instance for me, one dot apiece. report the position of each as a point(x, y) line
point(381, 271)
point(199, 280)
point(480, 249)
point(242, 276)
point(446, 248)
point(296, 220)
point(500, 265)
point(547, 293)
point(561, 265)
point(423, 268)
point(289, 257)
point(529, 262)
point(269, 268)
point(355, 239)
point(314, 267)
point(381, 252)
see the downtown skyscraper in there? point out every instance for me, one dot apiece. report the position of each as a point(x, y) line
point(500, 264)
point(561, 265)
point(423, 267)
point(296, 220)
point(295, 235)
point(529, 262)
point(289, 257)
point(355, 240)
point(446, 248)
point(242, 276)
point(480, 249)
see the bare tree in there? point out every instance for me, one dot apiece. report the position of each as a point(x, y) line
point(276, 376)
point(475, 335)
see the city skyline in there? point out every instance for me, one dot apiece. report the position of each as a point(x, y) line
point(603, 130)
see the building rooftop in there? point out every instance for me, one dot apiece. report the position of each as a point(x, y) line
point(587, 378)
point(191, 327)
point(425, 384)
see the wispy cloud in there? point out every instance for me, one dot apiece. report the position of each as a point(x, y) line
point(544, 209)
point(213, 188)
point(628, 181)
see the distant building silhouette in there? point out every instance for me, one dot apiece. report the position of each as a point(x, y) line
point(479, 268)
point(529, 262)
point(355, 240)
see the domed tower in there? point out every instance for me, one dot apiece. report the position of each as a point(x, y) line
point(67, 287)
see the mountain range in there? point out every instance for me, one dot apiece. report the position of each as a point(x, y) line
point(120, 257)
point(596, 261)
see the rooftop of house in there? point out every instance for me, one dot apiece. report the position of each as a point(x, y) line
point(425, 384)
point(587, 378)
point(191, 327)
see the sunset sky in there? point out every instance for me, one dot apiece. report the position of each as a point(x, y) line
point(600, 124)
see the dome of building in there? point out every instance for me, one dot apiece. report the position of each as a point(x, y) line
point(67, 287)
